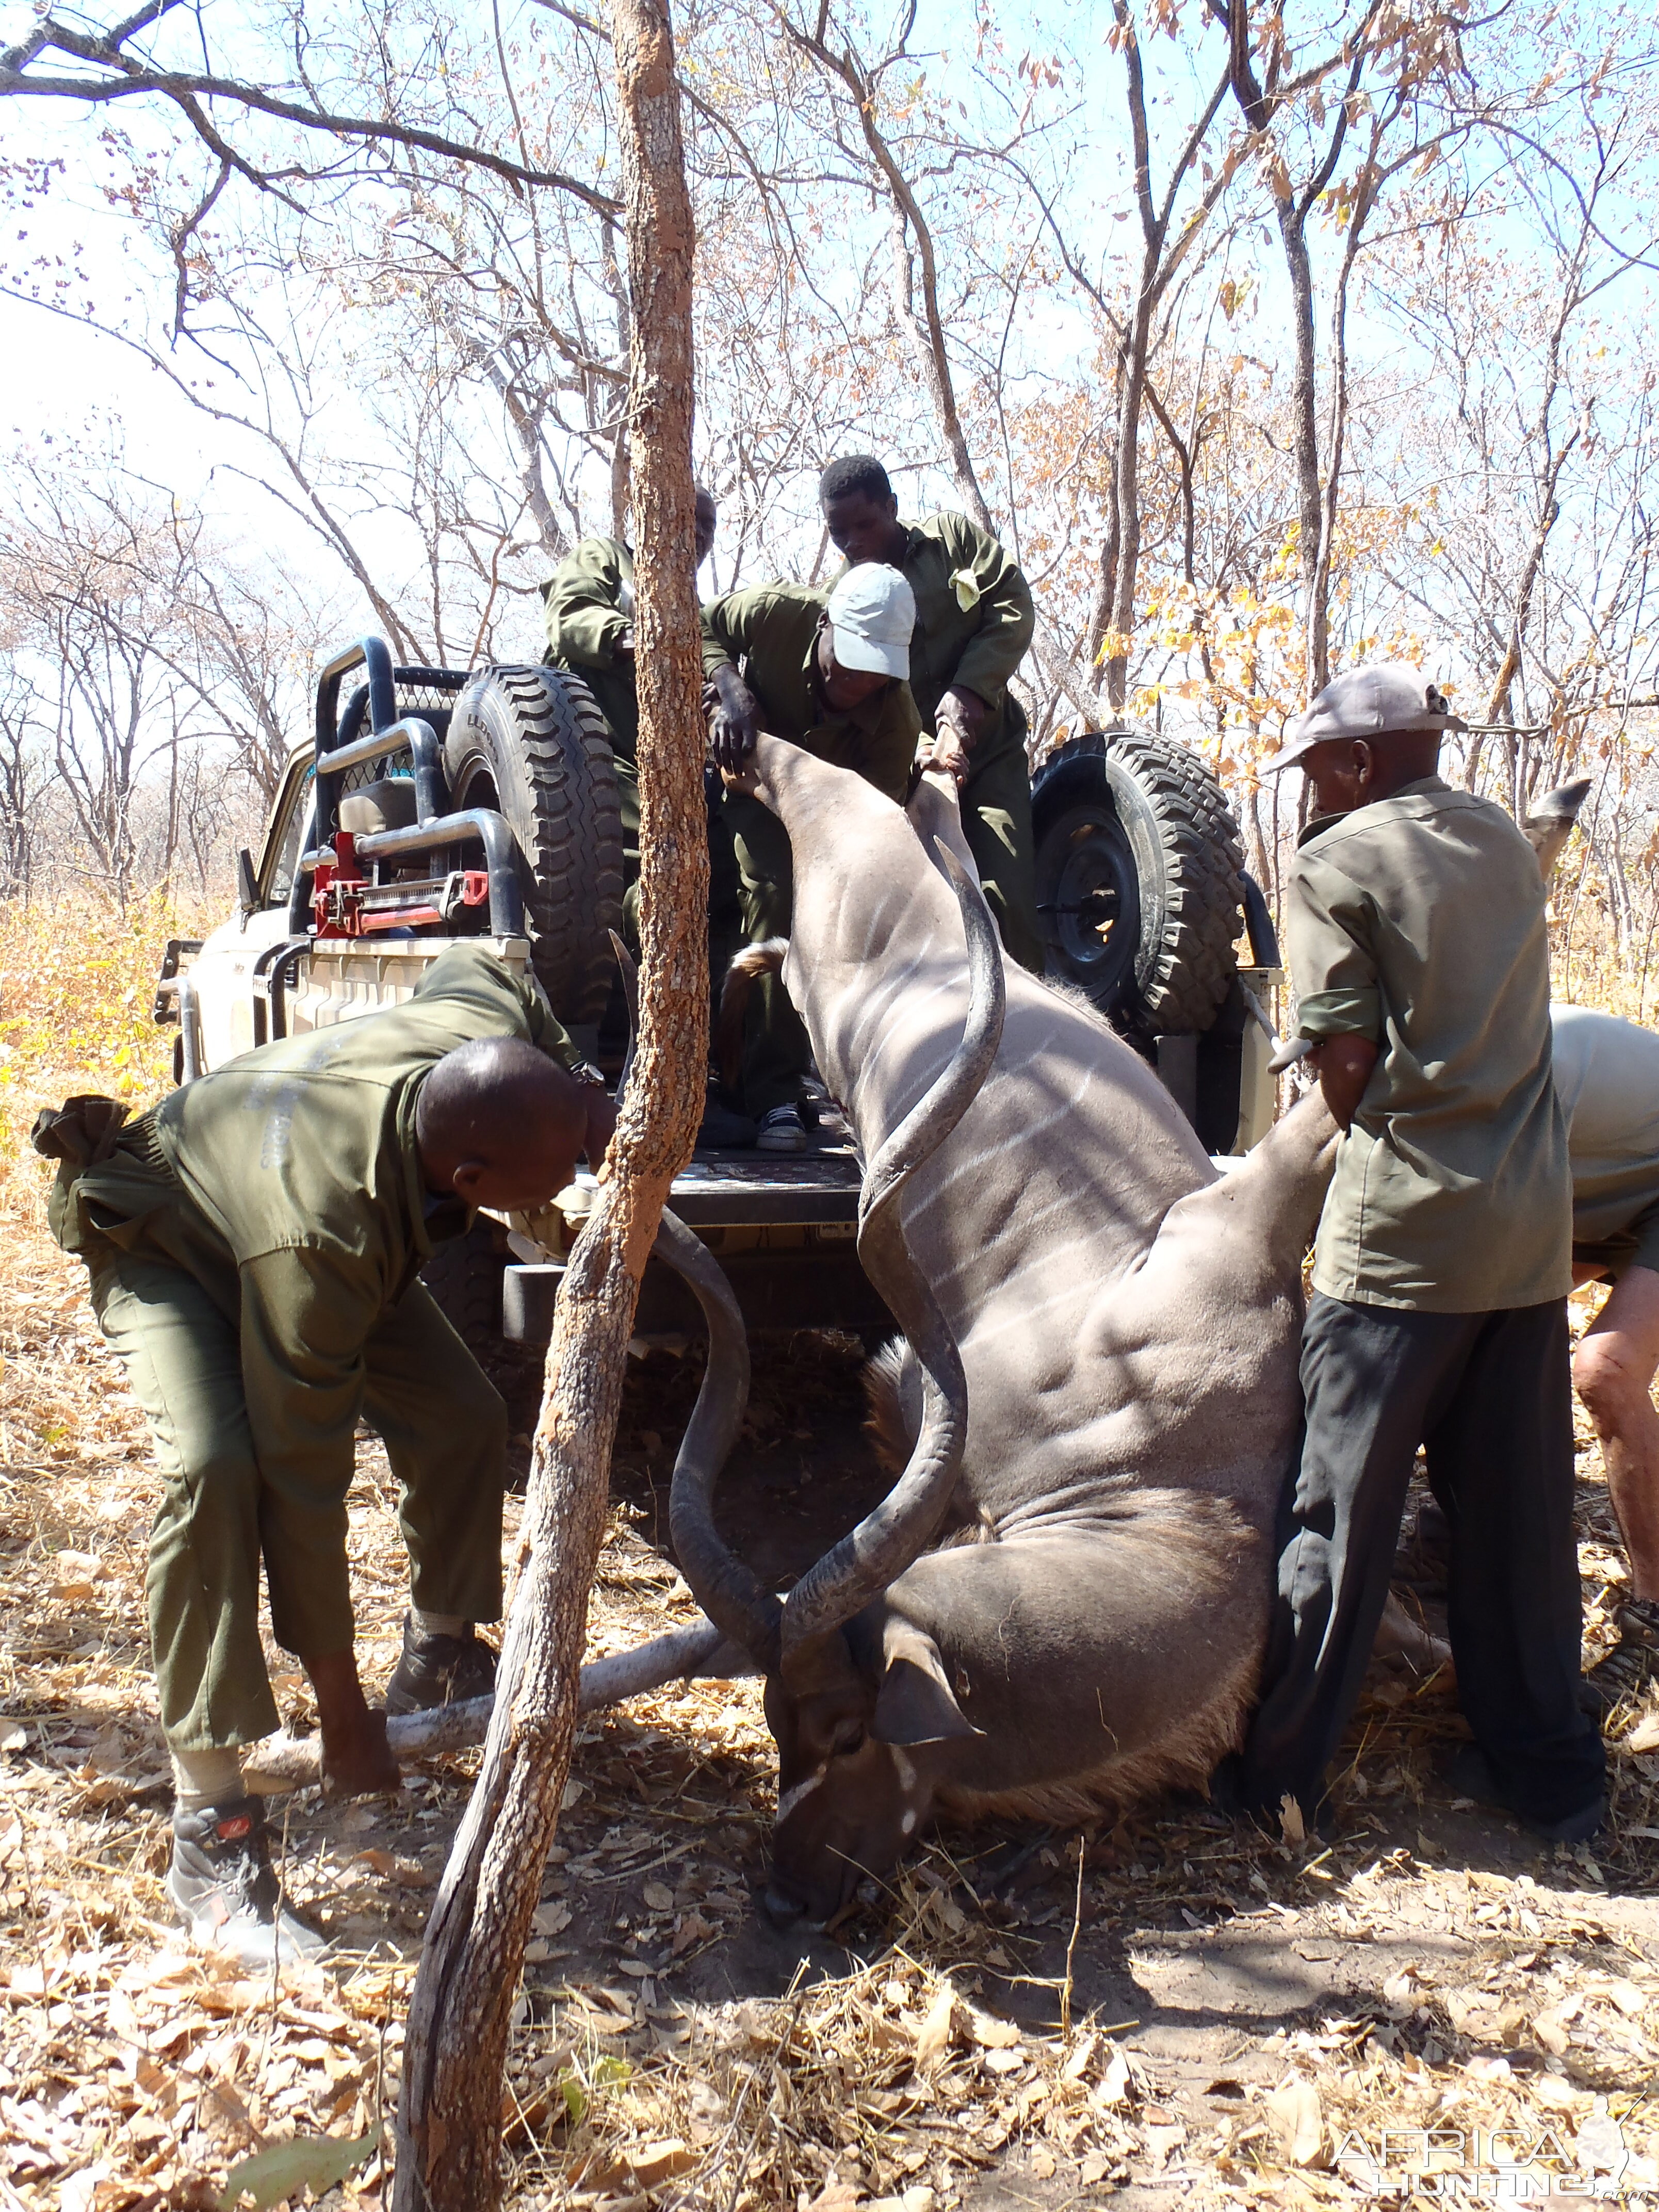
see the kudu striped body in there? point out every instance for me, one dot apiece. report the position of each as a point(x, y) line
point(1065, 1606)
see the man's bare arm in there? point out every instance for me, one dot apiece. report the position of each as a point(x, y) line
point(1345, 1065)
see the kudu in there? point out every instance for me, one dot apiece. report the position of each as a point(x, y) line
point(1062, 1601)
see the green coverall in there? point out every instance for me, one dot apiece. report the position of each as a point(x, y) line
point(771, 633)
point(979, 647)
point(589, 604)
point(252, 1244)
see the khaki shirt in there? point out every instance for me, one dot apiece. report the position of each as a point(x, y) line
point(1606, 1077)
point(1419, 921)
point(287, 1182)
point(772, 632)
point(588, 603)
point(979, 645)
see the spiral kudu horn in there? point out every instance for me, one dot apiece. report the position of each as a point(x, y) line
point(722, 1585)
point(888, 1538)
point(726, 1590)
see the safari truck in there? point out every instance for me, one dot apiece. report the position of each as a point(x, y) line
point(431, 803)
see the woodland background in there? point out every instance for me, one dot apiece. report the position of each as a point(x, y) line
point(316, 324)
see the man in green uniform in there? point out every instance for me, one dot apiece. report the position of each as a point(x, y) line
point(252, 1244)
point(827, 671)
point(589, 612)
point(588, 603)
point(974, 624)
point(1415, 931)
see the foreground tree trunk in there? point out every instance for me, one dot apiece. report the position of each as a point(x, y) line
point(449, 2118)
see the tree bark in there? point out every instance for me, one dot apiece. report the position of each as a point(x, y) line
point(449, 2113)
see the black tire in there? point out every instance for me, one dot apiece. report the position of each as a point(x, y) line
point(1140, 880)
point(531, 743)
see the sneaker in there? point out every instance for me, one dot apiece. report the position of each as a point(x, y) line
point(440, 1670)
point(723, 1131)
point(223, 1887)
point(781, 1131)
point(1633, 1661)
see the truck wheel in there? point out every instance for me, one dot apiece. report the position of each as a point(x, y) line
point(531, 743)
point(1141, 881)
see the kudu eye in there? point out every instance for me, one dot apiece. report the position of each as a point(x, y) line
point(848, 1736)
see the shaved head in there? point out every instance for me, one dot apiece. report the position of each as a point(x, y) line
point(500, 1124)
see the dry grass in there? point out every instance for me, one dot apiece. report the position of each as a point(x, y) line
point(1175, 2002)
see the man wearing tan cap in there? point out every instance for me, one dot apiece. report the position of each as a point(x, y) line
point(1414, 921)
point(828, 671)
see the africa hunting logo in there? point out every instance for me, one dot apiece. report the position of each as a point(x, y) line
point(1501, 2163)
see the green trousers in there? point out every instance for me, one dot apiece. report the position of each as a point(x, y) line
point(996, 820)
point(444, 1431)
point(777, 1050)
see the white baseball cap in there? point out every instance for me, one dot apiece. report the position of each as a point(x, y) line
point(1367, 702)
point(872, 613)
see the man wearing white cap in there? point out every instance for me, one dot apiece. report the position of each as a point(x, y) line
point(1415, 921)
point(828, 671)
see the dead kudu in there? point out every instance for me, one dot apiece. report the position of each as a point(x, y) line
point(1062, 1602)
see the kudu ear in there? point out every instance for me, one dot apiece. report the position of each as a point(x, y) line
point(914, 1704)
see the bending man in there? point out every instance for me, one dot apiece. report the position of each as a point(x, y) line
point(252, 1246)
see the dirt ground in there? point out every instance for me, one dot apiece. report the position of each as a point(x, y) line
point(1176, 2007)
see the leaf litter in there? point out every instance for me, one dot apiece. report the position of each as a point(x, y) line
point(1064, 2016)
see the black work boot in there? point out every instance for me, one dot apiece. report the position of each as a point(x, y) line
point(439, 1670)
point(225, 1890)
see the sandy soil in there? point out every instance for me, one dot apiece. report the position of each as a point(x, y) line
point(1173, 2007)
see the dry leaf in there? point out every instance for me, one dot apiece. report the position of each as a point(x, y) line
point(990, 2032)
point(835, 2196)
point(1550, 2032)
point(658, 1898)
point(1644, 1737)
point(1630, 2000)
point(1291, 1825)
point(654, 2163)
point(1116, 2087)
point(74, 1573)
point(694, 1928)
point(1298, 2123)
point(1078, 2063)
point(552, 1918)
point(1160, 2142)
point(934, 2037)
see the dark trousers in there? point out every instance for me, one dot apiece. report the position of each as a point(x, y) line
point(1489, 1397)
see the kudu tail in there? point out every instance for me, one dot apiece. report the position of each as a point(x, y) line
point(750, 964)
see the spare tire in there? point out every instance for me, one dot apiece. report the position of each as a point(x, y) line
point(531, 743)
point(1140, 880)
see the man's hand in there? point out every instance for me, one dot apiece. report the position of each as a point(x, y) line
point(733, 718)
point(946, 752)
point(357, 1760)
point(964, 714)
point(1345, 1065)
